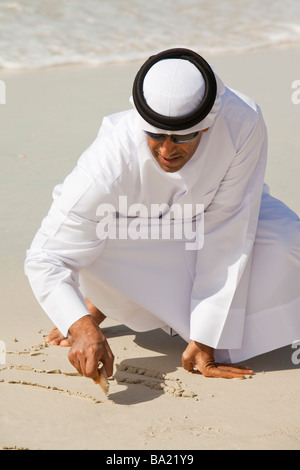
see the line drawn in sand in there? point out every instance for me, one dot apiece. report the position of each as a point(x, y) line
point(163, 382)
point(127, 374)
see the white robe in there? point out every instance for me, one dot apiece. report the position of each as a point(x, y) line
point(238, 293)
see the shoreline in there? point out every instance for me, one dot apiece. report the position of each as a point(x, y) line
point(50, 117)
point(288, 46)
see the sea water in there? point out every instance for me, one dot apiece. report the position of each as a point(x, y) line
point(42, 33)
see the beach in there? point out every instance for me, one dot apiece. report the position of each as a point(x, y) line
point(50, 116)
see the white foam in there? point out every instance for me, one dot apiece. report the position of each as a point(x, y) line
point(55, 32)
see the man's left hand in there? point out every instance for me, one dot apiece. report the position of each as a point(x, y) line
point(201, 357)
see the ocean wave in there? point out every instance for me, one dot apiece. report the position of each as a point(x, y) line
point(64, 32)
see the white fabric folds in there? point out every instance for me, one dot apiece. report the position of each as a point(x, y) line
point(237, 292)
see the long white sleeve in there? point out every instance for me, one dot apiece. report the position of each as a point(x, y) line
point(230, 223)
point(67, 241)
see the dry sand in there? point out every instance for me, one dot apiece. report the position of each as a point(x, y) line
point(49, 118)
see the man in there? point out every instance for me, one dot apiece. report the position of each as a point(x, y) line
point(188, 159)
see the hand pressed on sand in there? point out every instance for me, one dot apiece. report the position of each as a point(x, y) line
point(201, 357)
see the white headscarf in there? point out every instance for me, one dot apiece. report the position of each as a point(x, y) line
point(175, 87)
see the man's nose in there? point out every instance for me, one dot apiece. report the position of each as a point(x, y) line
point(167, 147)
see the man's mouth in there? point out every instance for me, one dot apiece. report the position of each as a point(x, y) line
point(170, 160)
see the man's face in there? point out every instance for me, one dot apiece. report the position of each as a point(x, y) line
point(170, 156)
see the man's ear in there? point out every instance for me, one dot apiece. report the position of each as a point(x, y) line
point(205, 130)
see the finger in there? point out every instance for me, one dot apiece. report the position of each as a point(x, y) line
point(76, 366)
point(234, 366)
point(240, 370)
point(91, 369)
point(83, 365)
point(75, 361)
point(222, 373)
point(108, 361)
point(109, 367)
point(211, 369)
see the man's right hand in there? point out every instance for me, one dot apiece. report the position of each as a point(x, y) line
point(89, 348)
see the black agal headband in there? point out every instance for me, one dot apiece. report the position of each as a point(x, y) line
point(177, 123)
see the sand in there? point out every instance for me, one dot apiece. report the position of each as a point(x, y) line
point(49, 119)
